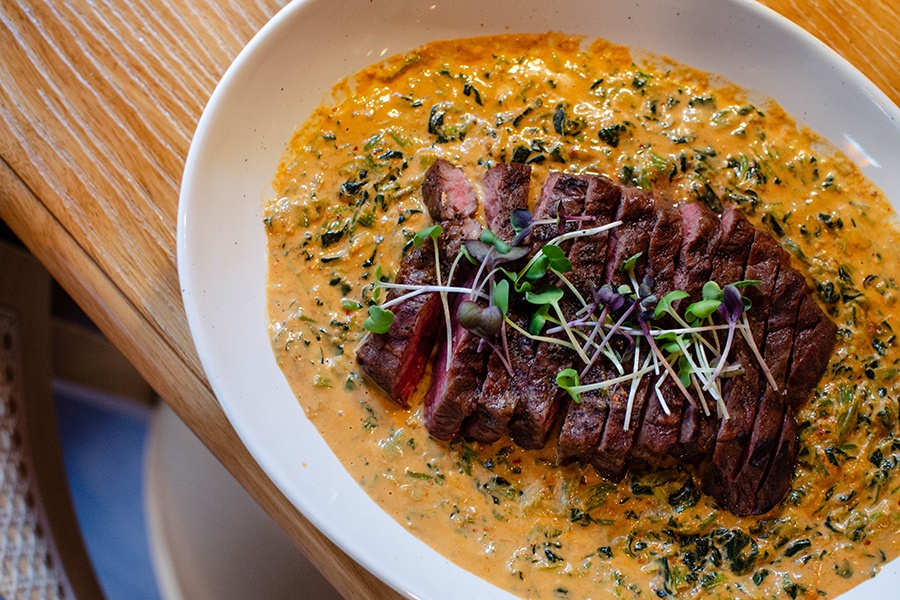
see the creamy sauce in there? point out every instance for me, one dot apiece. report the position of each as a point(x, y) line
point(347, 200)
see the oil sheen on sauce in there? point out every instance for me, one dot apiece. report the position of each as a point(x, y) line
point(347, 202)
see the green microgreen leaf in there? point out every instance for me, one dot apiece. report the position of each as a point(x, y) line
point(567, 379)
point(701, 309)
point(746, 283)
point(664, 306)
point(557, 258)
point(500, 297)
point(379, 320)
point(551, 295)
point(712, 291)
point(349, 304)
point(489, 237)
point(630, 263)
point(433, 232)
point(538, 268)
point(538, 320)
point(684, 371)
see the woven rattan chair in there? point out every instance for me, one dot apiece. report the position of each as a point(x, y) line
point(42, 554)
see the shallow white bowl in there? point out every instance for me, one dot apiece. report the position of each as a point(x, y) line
point(289, 68)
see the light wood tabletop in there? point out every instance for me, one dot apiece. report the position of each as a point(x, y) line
point(98, 103)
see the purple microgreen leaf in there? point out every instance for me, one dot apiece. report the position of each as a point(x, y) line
point(521, 219)
point(469, 315)
point(478, 250)
point(513, 254)
point(732, 304)
point(491, 321)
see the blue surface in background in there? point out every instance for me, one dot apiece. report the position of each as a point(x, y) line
point(103, 450)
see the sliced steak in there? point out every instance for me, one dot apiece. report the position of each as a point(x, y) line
point(450, 199)
point(814, 340)
point(610, 457)
point(698, 233)
point(740, 394)
point(561, 191)
point(731, 476)
point(584, 421)
point(777, 479)
point(456, 381)
point(637, 211)
point(588, 254)
point(447, 192)
point(539, 404)
point(396, 360)
point(658, 432)
point(699, 227)
point(501, 392)
point(537, 408)
point(746, 460)
point(506, 188)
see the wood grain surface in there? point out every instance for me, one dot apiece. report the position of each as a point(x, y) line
point(98, 102)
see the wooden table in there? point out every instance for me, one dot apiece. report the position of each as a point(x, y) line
point(98, 104)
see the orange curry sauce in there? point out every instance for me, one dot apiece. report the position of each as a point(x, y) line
point(347, 201)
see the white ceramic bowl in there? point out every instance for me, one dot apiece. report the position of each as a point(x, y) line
point(288, 69)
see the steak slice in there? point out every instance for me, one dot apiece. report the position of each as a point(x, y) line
point(740, 394)
point(450, 199)
point(506, 188)
point(777, 479)
point(637, 211)
point(447, 192)
point(455, 385)
point(659, 430)
point(698, 233)
point(584, 421)
point(699, 227)
point(731, 478)
point(611, 453)
point(539, 404)
point(814, 340)
point(639, 215)
point(588, 254)
point(396, 360)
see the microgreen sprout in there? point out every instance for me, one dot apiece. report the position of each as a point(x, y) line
point(379, 320)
